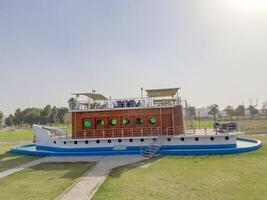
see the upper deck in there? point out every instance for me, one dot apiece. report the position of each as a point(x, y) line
point(154, 98)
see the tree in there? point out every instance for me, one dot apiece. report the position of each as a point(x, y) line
point(1, 118)
point(53, 115)
point(240, 111)
point(229, 110)
point(60, 114)
point(18, 117)
point(45, 115)
point(31, 115)
point(10, 120)
point(264, 108)
point(253, 110)
point(72, 103)
point(213, 110)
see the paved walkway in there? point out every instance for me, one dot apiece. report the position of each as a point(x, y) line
point(88, 184)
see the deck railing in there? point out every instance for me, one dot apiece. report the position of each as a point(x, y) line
point(115, 132)
point(125, 103)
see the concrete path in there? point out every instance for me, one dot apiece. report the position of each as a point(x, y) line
point(88, 184)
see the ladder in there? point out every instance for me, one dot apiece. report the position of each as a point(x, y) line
point(155, 144)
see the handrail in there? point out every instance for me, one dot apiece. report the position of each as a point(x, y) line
point(125, 103)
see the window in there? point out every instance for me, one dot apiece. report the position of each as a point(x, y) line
point(196, 139)
point(211, 138)
point(109, 141)
point(119, 140)
point(87, 124)
point(139, 121)
point(142, 139)
point(100, 123)
point(113, 122)
point(97, 141)
point(182, 139)
point(226, 138)
point(152, 120)
point(86, 141)
point(130, 140)
point(75, 142)
point(125, 121)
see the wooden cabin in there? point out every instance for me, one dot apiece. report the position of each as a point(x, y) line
point(99, 117)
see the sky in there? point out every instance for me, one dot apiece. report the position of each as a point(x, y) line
point(216, 51)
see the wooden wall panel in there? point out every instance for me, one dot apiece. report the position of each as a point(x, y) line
point(170, 116)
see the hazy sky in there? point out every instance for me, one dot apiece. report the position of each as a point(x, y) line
point(215, 50)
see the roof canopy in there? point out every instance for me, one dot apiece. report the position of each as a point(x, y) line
point(162, 92)
point(93, 96)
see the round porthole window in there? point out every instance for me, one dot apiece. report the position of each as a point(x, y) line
point(113, 122)
point(152, 120)
point(196, 139)
point(87, 124)
point(125, 121)
point(211, 138)
point(226, 138)
point(100, 123)
point(139, 121)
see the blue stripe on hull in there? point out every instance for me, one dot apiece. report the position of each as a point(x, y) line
point(165, 147)
point(31, 150)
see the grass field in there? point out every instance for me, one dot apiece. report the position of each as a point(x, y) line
point(17, 134)
point(224, 177)
point(10, 160)
point(42, 182)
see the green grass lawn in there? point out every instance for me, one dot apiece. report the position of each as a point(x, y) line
point(42, 182)
point(9, 160)
point(17, 134)
point(222, 177)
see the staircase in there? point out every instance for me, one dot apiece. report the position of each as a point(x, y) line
point(155, 145)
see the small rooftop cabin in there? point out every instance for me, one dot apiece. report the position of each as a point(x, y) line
point(101, 117)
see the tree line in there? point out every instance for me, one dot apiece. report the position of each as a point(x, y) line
point(231, 112)
point(29, 116)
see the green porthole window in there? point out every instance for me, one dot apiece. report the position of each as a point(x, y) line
point(139, 121)
point(152, 120)
point(87, 124)
point(113, 122)
point(125, 121)
point(100, 123)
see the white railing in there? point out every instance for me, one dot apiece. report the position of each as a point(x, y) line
point(115, 132)
point(125, 103)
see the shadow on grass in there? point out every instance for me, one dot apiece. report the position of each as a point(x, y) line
point(116, 172)
point(9, 160)
point(71, 169)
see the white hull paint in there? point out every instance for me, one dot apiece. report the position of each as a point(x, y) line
point(44, 139)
